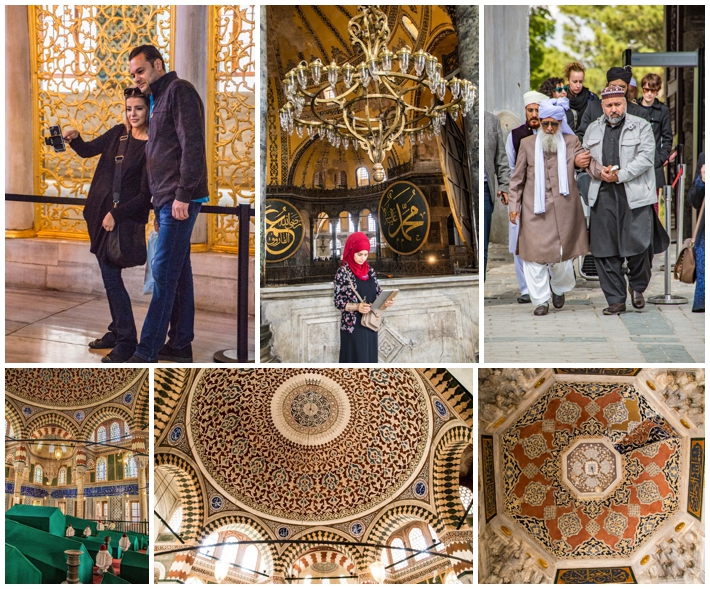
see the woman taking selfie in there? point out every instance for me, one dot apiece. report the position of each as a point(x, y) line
point(102, 215)
point(356, 288)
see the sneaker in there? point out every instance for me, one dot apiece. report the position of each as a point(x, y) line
point(523, 299)
point(170, 354)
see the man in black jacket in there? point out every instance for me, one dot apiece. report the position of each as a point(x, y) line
point(616, 76)
point(177, 174)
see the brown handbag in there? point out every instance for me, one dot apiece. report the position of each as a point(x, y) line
point(371, 320)
point(685, 264)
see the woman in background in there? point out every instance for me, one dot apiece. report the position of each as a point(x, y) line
point(696, 196)
point(358, 344)
point(102, 216)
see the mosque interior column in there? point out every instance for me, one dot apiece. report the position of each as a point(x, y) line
point(20, 468)
point(190, 62)
point(142, 465)
point(80, 472)
point(19, 140)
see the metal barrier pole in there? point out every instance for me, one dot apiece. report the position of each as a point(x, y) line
point(681, 204)
point(241, 354)
point(667, 298)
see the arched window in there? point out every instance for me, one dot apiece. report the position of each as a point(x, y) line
point(466, 496)
point(211, 539)
point(251, 557)
point(38, 474)
point(341, 179)
point(418, 542)
point(126, 429)
point(131, 470)
point(409, 27)
point(362, 176)
point(115, 432)
point(229, 552)
point(63, 475)
point(318, 180)
point(435, 539)
point(398, 554)
point(371, 222)
point(383, 557)
point(101, 434)
point(101, 469)
point(176, 520)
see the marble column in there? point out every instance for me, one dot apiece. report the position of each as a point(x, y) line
point(466, 24)
point(190, 61)
point(80, 473)
point(20, 141)
point(266, 339)
point(181, 567)
point(459, 543)
point(277, 579)
point(20, 468)
point(142, 466)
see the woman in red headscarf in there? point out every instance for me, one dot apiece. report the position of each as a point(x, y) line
point(356, 288)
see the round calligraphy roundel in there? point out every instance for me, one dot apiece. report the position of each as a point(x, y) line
point(284, 230)
point(404, 218)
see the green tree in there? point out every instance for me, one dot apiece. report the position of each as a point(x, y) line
point(613, 29)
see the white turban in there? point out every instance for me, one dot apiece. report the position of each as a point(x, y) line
point(534, 97)
point(554, 108)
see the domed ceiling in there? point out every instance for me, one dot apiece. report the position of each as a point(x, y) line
point(591, 470)
point(305, 446)
point(68, 387)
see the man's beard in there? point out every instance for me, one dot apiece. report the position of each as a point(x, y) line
point(549, 142)
point(613, 120)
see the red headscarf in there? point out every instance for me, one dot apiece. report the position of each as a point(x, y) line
point(357, 242)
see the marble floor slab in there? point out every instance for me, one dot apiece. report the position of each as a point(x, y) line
point(55, 327)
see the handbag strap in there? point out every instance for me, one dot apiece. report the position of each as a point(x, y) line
point(118, 167)
point(697, 222)
point(357, 294)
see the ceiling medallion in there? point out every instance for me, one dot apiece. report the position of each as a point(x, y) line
point(591, 467)
point(310, 409)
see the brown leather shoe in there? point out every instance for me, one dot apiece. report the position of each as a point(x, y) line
point(558, 301)
point(637, 299)
point(541, 310)
point(615, 309)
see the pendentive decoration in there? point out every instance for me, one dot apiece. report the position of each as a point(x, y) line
point(284, 230)
point(404, 218)
point(369, 105)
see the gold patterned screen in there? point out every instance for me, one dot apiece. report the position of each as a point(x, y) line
point(80, 68)
point(231, 113)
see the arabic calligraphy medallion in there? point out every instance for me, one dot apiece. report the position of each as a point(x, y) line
point(404, 218)
point(284, 230)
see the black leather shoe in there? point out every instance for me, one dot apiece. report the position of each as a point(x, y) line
point(615, 309)
point(137, 360)
point(522, 299)
point(102, 343)
point(541, 310)
point(558, 301)
point(637, 299)
point(113, 358)
point(170, 354)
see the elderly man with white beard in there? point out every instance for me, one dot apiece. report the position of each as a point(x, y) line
point(545, 201)
point(622, 192)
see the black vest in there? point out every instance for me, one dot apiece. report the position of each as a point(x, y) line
point(520, 133)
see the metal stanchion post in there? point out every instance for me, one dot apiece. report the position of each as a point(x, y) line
point(680, 211)
point(667, 298)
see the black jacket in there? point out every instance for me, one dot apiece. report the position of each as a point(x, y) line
point(135, 194)
point(594, 111)
point(175, 155)
point(660, 118)
point(696, 195)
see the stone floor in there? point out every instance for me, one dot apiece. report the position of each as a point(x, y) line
point(55, 327)
point(579, 332)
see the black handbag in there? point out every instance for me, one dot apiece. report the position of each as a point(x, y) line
point(126, 245)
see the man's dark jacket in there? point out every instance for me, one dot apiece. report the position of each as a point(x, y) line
point(660, 118)
point(175, 154)
point(594, 111)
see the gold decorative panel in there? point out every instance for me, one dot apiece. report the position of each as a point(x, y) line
point(79, 70)
point(231, 118)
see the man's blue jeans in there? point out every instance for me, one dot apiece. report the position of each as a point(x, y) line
point(173, 299)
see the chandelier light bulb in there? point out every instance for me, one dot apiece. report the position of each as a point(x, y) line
point(419, 60)
point(299, 130)
point(403, 57)
point(364, 74)
point(316, 68)
point(333, 73)
point(430, 66)
point(221, 569)
point(346, 142)
point(386, 60)
point(441, 89)
point(377, 570)
point(302, 73)
point(309, 128)
point(348, 75)
point(455, 87)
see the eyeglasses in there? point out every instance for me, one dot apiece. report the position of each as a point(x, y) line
point(553, 124)
point(132, 91)
point(561, 88)
point(650, 90)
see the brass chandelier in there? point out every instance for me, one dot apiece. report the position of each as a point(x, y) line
point(370, 106)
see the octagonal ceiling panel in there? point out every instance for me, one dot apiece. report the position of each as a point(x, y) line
point(625, 459)
point(310, 445)
point(68, 387)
